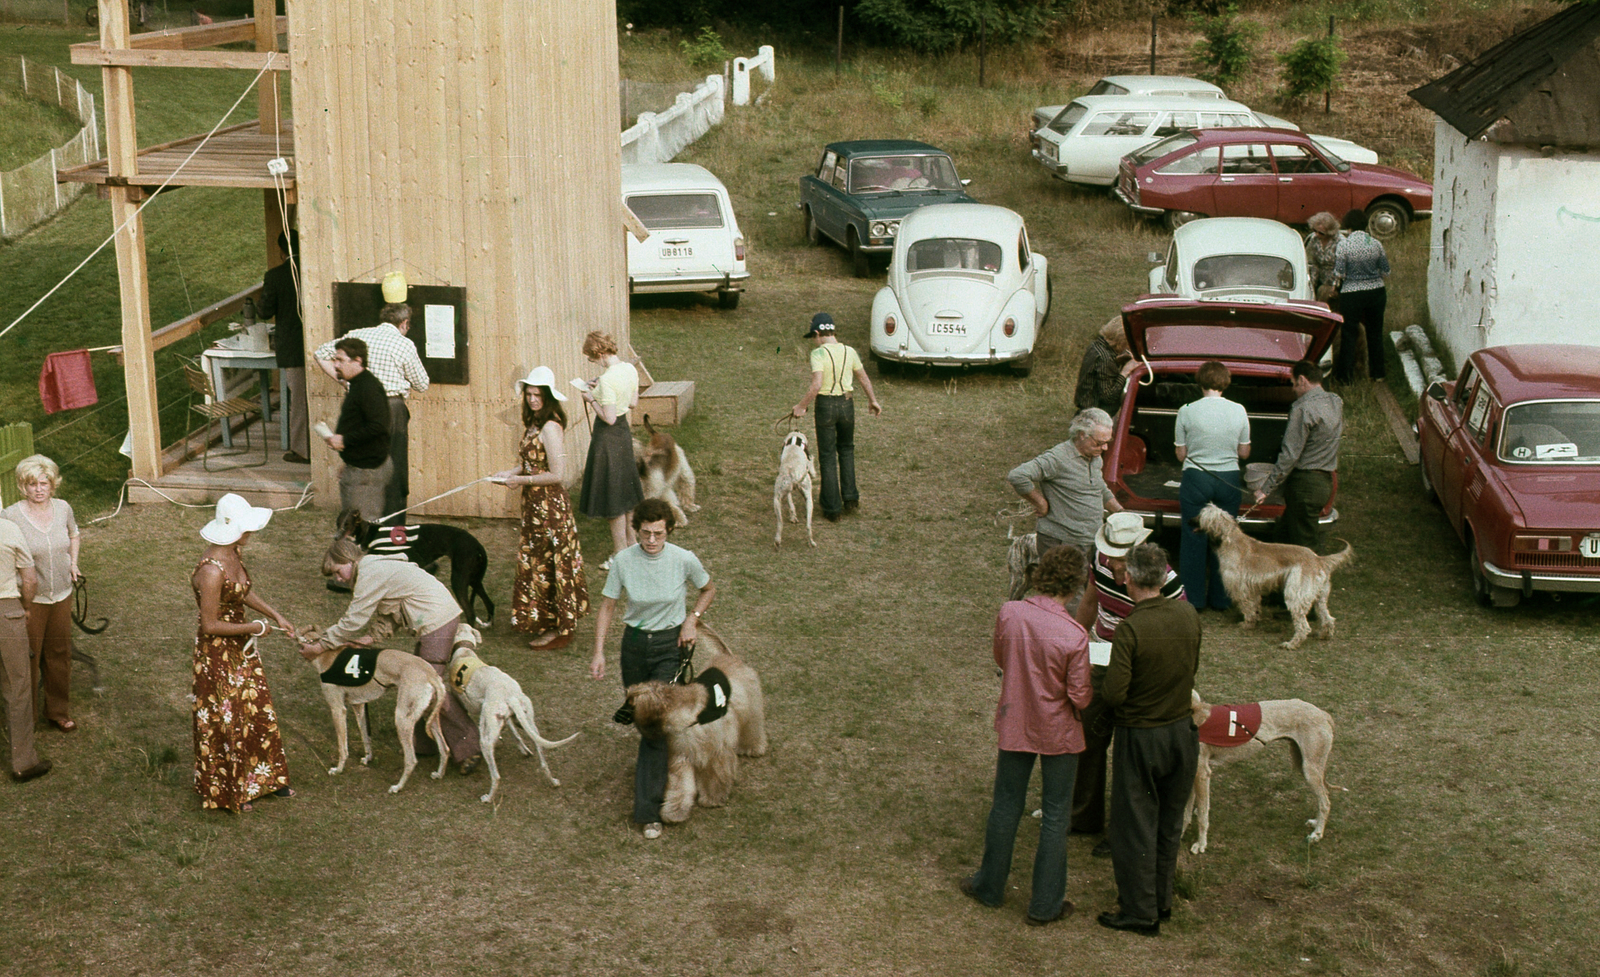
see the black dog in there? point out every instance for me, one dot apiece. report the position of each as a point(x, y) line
point(425, 544)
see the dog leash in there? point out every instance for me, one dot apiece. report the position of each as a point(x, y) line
point(80, 607)
point(418, 505)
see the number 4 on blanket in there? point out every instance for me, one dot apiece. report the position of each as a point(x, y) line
point(352, 667)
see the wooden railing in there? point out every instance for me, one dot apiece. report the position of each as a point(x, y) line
point(191, 324)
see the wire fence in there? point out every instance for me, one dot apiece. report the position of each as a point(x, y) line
point(30, 194)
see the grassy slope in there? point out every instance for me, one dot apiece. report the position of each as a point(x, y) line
point(1465, 736)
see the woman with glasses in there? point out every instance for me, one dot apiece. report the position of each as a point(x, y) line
point(658, 636)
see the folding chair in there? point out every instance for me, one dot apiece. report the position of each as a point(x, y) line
point(213, 408)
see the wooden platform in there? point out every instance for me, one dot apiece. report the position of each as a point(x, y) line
point(235, 157)
point(278, 483)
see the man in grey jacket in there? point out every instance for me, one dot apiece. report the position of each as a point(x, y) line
point(1066, 484)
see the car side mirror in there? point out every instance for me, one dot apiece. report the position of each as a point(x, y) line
point(1344, 166)
point(966, 182)
point(1436, 391)
point(1153, 257)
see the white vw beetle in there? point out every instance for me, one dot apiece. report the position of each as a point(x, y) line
point(1240, 259)
point(964, 290)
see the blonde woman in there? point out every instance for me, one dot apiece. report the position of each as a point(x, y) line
point(51, 533)
point(610, 477)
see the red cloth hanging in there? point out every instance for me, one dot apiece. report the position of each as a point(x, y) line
point(67, 381)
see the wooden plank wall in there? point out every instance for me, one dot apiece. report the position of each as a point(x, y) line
point(473, 143)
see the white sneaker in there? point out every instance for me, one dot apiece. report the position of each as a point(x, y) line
point(652, 831)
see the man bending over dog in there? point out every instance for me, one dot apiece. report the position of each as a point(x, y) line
point(1066, 485)
point(414, 598)
point(1149, 685)
point(1308, 458)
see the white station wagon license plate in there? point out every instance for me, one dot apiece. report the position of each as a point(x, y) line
point(947, 329)
point(680, 251)
point(1590, 546)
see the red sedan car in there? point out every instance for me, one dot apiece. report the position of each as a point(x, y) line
point(1279, 174)
point(1511, 449)
point(1171, 337)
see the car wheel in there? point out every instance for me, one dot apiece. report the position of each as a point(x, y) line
point(1387, 219)
point(1049, 301)
point(860, 261)
point(1022, 367)
point(1487, 593)
point(812, 233)
point(886, 366)
point(728, 300)
point(1177, 218)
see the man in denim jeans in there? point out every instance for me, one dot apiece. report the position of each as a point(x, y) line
point(835, 369)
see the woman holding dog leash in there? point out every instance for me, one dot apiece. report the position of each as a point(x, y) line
point(659, 638)
point(238, 752)
point(549, 594)
point(51, 532)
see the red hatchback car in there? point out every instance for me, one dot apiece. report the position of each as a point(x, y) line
point(1171, 337)
point(1279, 174)
point(1511, 449)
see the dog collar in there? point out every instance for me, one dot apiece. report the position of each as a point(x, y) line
point(352, 667)
point(718, 692)
point(461, 671)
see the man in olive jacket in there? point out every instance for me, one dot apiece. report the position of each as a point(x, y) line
point(1154, 655)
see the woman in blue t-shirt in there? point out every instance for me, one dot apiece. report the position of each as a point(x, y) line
point(1211, 437)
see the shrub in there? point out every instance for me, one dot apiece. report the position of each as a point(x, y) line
point(1309, 67)
point(1226, 46)
point(706, 50)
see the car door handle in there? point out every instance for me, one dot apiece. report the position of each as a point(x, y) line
point(1285, 179)
point(1225, 179)
point(676, 240)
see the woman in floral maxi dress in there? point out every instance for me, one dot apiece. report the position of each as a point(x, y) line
point(238, 753)
point(549, 594)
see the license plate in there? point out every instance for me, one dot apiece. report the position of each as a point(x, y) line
point(681, 251)
point(1590, 547)
point(947, 329)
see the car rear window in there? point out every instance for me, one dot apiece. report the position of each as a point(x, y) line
point(1243, 271)
point(1067, 118)
point(877, 174)
point(676, 211)
point(1103, 87)
point(1552, 433)
point(1156, 150)
point(953, 254)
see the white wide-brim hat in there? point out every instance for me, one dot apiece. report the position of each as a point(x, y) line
point(234, 518)
point(1122, 532)
point(540, 376)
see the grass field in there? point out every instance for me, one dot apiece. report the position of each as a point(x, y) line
point(1465, 737)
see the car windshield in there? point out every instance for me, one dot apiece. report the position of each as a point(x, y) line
point(676, 211)
point(876, 174)
point(1156, 150)
point(1067, 118)
point(1558, 432)
point(1333, 157)
point(1247, 271)
point(953, 254)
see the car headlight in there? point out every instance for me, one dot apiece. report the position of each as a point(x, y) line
point(888, 325)
point(1010, 326)
point(884, 228)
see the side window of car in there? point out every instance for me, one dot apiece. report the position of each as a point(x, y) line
point(1246, 158)
point(825, 171)
point(1292, 158)
point(1173, 122)
point(839, 181)
point(1024, 256)
point(1118, 124)
point(1172, 264)
point(1199, 162)
point(1464, 388)
point(1478, 419)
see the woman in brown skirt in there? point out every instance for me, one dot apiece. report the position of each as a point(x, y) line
point(611, 477)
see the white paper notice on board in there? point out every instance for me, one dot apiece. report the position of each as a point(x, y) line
point(439, 332)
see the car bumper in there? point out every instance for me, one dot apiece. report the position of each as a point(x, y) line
point(1527, 581)
point(988, 358)
point(1136, 208)
point(1055, 168)
point(649, 285)
point(1171, 520)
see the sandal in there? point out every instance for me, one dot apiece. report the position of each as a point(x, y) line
point(283, 792)
point(554, 644)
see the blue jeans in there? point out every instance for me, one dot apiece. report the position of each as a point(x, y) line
point(1011, 775)
point(1197, 562)
point(648, 655)
point(836, 447)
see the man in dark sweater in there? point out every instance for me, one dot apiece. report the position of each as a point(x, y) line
point(362, 436)
point(1154, 655)
point(280, 300)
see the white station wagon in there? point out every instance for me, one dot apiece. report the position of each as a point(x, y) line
point(1175, 86)
point(695, 244)
point(1240, 259)
point(964, 290)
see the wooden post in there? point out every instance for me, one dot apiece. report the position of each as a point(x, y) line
point(122, 147)
point(983, 43)
point(1327, 96)
point(838, 47)
point(266, 13)
point(1153, 16)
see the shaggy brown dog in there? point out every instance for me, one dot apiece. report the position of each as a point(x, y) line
point(1251, 569)
point(1309, 731)
point(709, 724)
point(1021, 558)
point(665, 473)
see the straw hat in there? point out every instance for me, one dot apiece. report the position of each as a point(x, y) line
point(1122, 532)
point(540, 376)
point(234, 518)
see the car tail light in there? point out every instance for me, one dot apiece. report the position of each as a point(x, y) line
point(1010, 328)
point(738, 249)
point(888, 325)
point(1542, 544)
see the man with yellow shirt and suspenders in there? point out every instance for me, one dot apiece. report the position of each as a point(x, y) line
point(835, 369)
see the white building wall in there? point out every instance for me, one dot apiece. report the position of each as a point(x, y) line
point(1516, 239)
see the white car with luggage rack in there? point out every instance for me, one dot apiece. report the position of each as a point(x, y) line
point(695, 244)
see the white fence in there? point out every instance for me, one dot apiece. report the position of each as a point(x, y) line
point(30, 194)
point(659, 136)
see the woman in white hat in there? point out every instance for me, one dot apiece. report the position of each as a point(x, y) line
point(549, 594)
point(238, 752)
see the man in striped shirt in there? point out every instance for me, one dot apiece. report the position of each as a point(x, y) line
point(393, 361)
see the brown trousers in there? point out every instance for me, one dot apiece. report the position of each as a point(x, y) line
point(16, 684)
point(460, 733)
point(50, 644)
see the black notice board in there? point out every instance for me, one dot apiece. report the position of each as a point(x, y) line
point(356, 306)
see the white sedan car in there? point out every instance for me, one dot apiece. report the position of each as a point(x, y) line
point(1239, 259)
point(695, 244)
point(964, 289)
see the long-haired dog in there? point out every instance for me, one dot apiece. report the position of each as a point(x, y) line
point(495, 702)
point(1021, 558)
point(797, 471)
point(665, 473)
point(425, 544)
point(1251, 569)
point(1233, 732)
point(708, 725)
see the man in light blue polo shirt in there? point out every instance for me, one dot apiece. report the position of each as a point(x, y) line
point(1210, 437)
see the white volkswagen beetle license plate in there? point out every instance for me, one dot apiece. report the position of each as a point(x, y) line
point(1590, 547)
point(947, 329)
point(678, 251)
